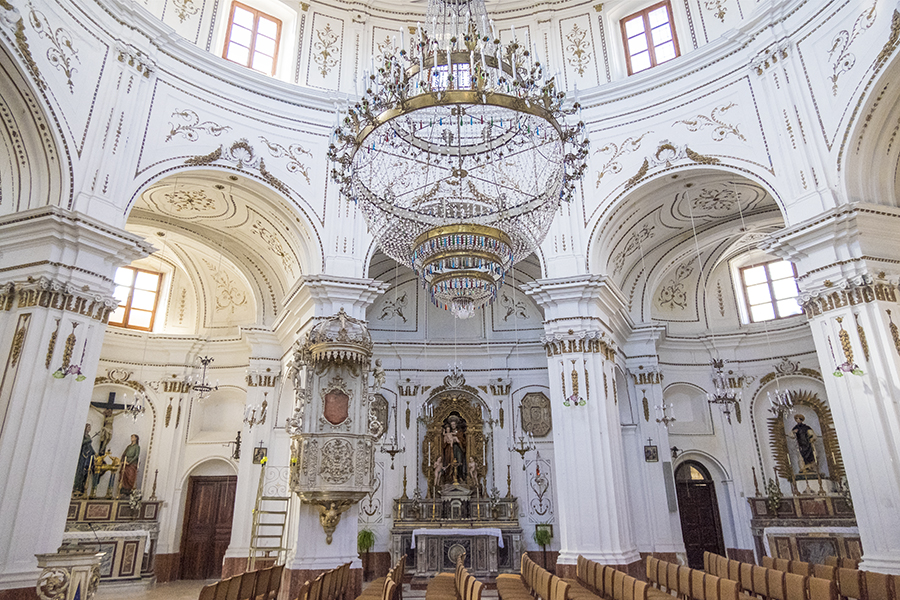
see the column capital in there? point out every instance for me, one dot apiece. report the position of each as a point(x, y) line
point(315, 296)
point(584, 303)
point(66, 247)
point(844, 246)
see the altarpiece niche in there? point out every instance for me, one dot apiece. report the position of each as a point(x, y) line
point(454, 449)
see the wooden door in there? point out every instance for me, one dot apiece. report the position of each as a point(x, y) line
point(207, 526)
point(700, 524)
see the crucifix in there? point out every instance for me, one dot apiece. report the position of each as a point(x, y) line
point(109, 410)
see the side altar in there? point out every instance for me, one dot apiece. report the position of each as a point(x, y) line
point(459, 516)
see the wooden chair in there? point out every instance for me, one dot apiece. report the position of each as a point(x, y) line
point(208, 592)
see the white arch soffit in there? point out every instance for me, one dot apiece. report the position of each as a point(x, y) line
point(870, 131)
point(191, 470)
point(644, 202)
point(718, 470)
point(30, 115)
point(298, 214)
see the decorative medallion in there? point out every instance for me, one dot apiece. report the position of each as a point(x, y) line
point(336, 396)
point(536, 418)
point(336, 465)
point(378, 416)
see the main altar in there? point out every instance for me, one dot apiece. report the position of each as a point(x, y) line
point(459, 515)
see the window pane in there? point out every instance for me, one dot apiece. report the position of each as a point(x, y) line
point(637, 44)
point(264, 46)
point(639, 62)
point(243, 17)
point(146, 281)
point(665, 52)
point(140, 318)
point(238, 54)
point(781, 270)
point(267, 28)
point(661, 34)
point(755, 275)
point(262, 63)
point(785, 288)
point(241, 35)
point(121, 293)
point(634, 27)
point(787, 308)
point(757, 294)
point(658, 17)
point(763, 312)
point(124, 276)
point(143, 300)
point(116, 317)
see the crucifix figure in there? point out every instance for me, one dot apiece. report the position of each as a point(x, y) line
point(109, 410)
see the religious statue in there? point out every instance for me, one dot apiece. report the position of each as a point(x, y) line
point(129, 466)
point(101, 466)
point(473, 474)
point(106, 430)
point(454, 445)
point(438, 471)
point(379, 374)
point(806, 444)
point(85, 462)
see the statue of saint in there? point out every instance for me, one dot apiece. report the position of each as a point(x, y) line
point(106, 430)
point(473, 474)
point(806, 444)
point(130, 466)
point(85, 461)
point(454, 445)
point(379, 374)
point(438, 471)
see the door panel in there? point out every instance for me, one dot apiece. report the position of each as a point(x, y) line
point(207, 526)
point(699, 510)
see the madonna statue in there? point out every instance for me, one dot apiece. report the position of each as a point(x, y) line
point(454, 448)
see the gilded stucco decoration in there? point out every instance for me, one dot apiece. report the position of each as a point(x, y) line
point(513, 307)
point(665, 155)
point(229, 295)
point(615, 152)
point(893, 40)
point(190, 201)
point(673, 294)
point(193, 126)
point(185, 9)
point(62, 53)
point(718, 6)
point(274, 243)
point(863, 341)
point(578, 48)
point(539, 496)
point(394, 307)
point(51, 345)
point(15, 20)
point(714, 200)
point(293, 153)
point(336, 465)
point(325, 46)
point(720, 129)
point(378, 415)
point(632, 245)
point(842, 60)
point(241, 154)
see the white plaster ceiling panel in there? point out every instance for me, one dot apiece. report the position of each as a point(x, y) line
point(189, 201)
point(719, 16)
point(325, 55)
point(579, 50)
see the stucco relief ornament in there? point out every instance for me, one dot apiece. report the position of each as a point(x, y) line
point(336, 465)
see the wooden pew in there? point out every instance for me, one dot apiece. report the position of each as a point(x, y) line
point(263, 584)
point(457, 586)
point(772, 583)
point(532, 582)
point(376, 589)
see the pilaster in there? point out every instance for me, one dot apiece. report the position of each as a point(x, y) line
point(54, 306)
point(580, 358)
point(846, 260)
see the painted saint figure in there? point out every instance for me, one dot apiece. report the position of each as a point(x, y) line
point(806, 444)
point(85, 461)
point(130, 466)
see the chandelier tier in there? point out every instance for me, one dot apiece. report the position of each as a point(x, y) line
point(458, 154)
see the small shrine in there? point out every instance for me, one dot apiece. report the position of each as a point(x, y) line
point(462, 512)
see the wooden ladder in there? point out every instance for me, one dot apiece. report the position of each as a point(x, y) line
point(269, 523)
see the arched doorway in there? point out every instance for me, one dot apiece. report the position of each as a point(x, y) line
point(700, 524)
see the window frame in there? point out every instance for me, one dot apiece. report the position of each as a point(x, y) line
point(644, 14)
point(124, 324)
point(253, 34)
point(772, 300)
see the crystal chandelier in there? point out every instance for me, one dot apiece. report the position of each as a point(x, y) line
point(458, 153)
point(727, 391)
point(202, 386)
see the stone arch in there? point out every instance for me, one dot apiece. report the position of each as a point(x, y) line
point(38, 169)
point(647, 237)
